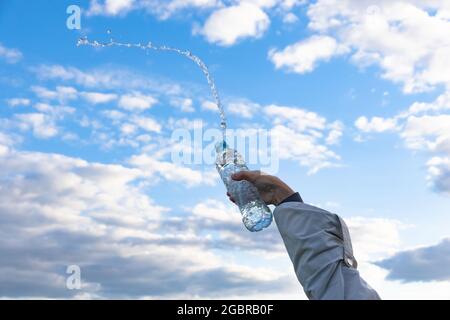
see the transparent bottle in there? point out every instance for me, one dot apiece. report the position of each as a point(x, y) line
point(256, 215)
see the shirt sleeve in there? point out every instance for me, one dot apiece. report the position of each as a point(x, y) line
point(320, 248)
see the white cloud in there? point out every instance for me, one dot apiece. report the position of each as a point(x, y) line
point(303, 136)
point(15, 102)
point(185, 104)
point(106, 78)
point(167, 8)
point(137, 101)
point(376, 124)
point(88, 79)
point(214, 210)
point(161, 9)
point(146, 123)
point(57, 112)
point(290, 4)
point(61, 93)
point(228, 25)
point(98, 97)
point(374, 238)
point(173, 172)
point(439, 174)
point(128, 129)
point(243, 108)
point(110, 7)
point(304, 148)
point(210, 106)
point(303, 56)
point(297, 118)
point(423, 126)
point(428, 133)
point(290, 18)
point(10, 55)
point(402, 37)
point(114, 115)
point(125, 245)
point(441, 104)
point(41, 124)
point(335, 134)
point(5, 143)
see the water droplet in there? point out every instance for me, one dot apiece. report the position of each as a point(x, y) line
point(188, 54)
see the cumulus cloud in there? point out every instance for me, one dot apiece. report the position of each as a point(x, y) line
point(160, 9)
point(296, 118)
point(5, 143)
point(146, 123)
point(408, 40)
point(374, 238)
point(15, 102)
point(209, 105)
point(290, 18)
point(42, 125)
point(243, 108)
point(172, 171)
point(428, 132)
point(430, 263)
point(10, 55)
point(403, 38)
point(137, 101)
point(110, 7)
point(441, 104)
point(303, 56)
point(375, 124)
point(98, 97)
point(228, 25)
point(303, 136)
point(229, 22)
point(61, 93)
point(95, 78)
point(56, 112)
point(105, 78)
point(424, 126)
point(439, 174)
point(57, 211)
point(184, 104)
point(335, 134)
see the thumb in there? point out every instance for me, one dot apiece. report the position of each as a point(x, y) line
point(250, 176)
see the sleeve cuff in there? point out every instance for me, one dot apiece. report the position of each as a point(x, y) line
point(293, 198)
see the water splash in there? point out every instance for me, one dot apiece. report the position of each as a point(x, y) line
point(84, 41)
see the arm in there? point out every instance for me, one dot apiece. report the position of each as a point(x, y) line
point(318, 243)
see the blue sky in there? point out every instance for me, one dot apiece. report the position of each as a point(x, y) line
point(358, 94)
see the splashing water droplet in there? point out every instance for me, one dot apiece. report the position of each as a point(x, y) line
point(186, 53)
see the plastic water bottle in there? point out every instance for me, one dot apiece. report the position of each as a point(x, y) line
point(256, 215)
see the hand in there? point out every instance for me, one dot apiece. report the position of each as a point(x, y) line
point(271, 189)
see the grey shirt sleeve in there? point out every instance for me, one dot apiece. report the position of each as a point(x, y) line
point(320, 249)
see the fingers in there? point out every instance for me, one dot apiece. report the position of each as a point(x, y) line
point(231, 198)
point(250, 176)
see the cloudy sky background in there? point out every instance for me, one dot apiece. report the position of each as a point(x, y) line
point(358, 92)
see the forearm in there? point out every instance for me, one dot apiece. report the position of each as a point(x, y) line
point(320, 249)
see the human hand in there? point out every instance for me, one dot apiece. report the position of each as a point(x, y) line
point(271, 189)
